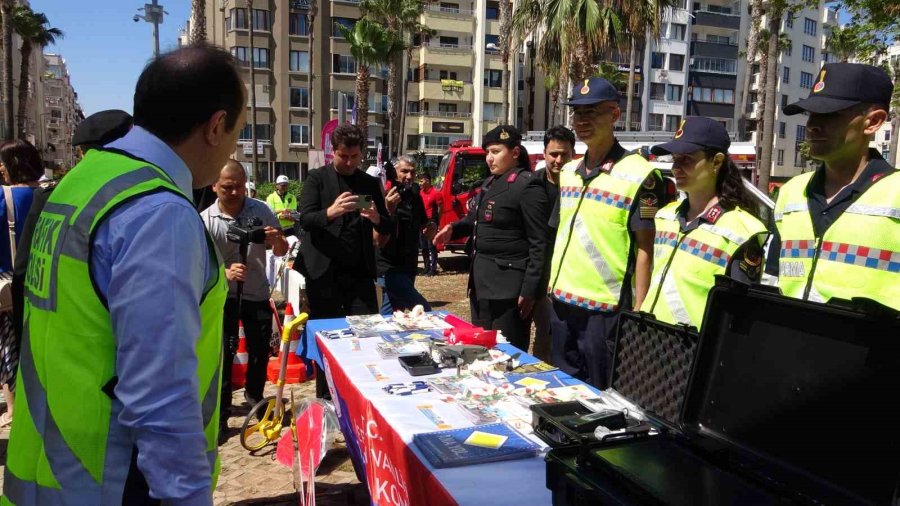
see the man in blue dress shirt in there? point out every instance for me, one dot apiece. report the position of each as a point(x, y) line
point(155, 270)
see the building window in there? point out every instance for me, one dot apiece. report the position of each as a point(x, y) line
point(786, 75)
point(780, 160)
point(887, 135)
point(809, 54)
point(673, 92)
point(260, 58)
point(676, 62)
point(241, 55)
point(261, 20)
point(342, 64)
point(721, 9)
point(714, 65)
point(809, 26)
point(493, 78)
point(239, 19)
point(299, 24)
point(299, 97)
point(784, 101)
point(345, 22)
point(492, 111)
point(349, 100)
point(677, 31)
point(448, 74)
point(263, 133)
point(806, 80)
point(449, 7)
point(491, 43)
point(493, 10)
point(412, 107)
point(299, 61)
point(657, 91)
point(801, 133)
point(300, 134)
point(714, 95)
point(885, 152)
point(718, 39)
point(672, 122)
point(789, 20)
point(787, 50)
point(657, 60)
point(782, 127)
point(442, 107)
point(656, 122)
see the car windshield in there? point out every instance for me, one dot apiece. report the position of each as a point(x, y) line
point(442, 172)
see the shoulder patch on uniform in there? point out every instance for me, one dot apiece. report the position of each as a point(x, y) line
point(751, 263)
point(650, 182)
point(511, 178)
point(649, 205)
point(714, 214)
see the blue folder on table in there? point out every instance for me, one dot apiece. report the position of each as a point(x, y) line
point(474, 445)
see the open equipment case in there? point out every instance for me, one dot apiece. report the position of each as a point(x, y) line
point(780, 401)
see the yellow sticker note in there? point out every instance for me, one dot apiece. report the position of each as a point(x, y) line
point(532, 382)
point(418, 337)
point(485, 440)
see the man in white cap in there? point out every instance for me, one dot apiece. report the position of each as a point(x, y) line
point(251, 189)
point(283, 204)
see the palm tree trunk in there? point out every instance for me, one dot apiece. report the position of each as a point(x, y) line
point(391, 106)
point(362, 101)
point(752, 44)
point(311, 30)
point(6, 8)
point(551, 119)
point(255, 156)
point(895, 133)
point(24, 70)
point(505, 19)
point(198, 21)
point(629, 101)
point(768, 133)
point(404, 105)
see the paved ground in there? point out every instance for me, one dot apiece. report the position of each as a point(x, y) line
point(259, 479)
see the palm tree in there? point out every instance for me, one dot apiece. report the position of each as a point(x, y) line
point(198, 20)
point(402, 18)
point(33, 28)
point(611, 73)
point(842, 43)
point(776, 42)
point(641, 16)
point(506, 45)
point(525, 19)
point(756, 12)
point(6, 10)
point(311, 29)
point(370, 44)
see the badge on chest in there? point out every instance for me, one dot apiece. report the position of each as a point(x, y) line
point(488, 215)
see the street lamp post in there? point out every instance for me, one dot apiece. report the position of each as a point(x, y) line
point(153, 14)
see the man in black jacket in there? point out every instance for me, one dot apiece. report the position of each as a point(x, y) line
point(343, 217)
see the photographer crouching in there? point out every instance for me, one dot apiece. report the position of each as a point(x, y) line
point(398, 259)
point(243, 229)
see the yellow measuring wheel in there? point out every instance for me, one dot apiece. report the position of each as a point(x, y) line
point(269, 412)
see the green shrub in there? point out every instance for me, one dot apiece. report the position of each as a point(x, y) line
point(263, 190)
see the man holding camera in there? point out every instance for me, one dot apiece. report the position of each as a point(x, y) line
point(236, 222)
point(398, 258)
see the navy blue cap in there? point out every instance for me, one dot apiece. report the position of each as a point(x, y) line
point(695, 133)
point(843, 85)
point(593, 91)
point(102, 127)
point(507, 135)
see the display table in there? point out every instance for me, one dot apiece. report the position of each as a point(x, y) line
point(378, 428)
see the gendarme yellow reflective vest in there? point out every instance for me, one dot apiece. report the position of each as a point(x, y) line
point(277, 203)
point(859, 254)
point(65, 447)
point(685, 265)
point(593, 244)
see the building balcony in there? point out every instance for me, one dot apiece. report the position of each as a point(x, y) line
point(714, 50)
point(442, 126)
point(442, 90)
point(441, 114)
point(451, 55)
point(717, 19)
point(446, 19)
point(711, 65)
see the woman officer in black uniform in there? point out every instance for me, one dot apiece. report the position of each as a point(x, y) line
point(508, 225)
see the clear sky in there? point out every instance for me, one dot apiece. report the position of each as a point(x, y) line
point(104, 49)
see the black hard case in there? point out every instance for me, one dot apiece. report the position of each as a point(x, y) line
point(787, 402)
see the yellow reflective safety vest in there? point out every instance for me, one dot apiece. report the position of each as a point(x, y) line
point(593, 244)
point(66, 444)
point(859, 254)
point(685, 265)
point(277, 204)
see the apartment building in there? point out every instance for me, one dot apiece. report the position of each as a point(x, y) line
point(798, 68)
point(59, 113)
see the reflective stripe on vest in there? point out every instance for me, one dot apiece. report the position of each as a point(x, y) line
point(593, 244)
point(858, 255)
point(66, 444)
point(278, 204)
point(685, 266)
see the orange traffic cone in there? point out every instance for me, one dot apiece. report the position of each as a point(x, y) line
point(296, 369)
point(239, 366)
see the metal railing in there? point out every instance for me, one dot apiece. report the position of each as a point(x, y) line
point(437, 147)
point(449, 10)
point(438, 45)
point(441, 114)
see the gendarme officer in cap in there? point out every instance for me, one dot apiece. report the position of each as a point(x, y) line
point(714, 230)
point(509, 231)
point(603, 255)
point(838, 227)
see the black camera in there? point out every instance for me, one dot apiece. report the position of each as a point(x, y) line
point(406, 190)
point(249, 231)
